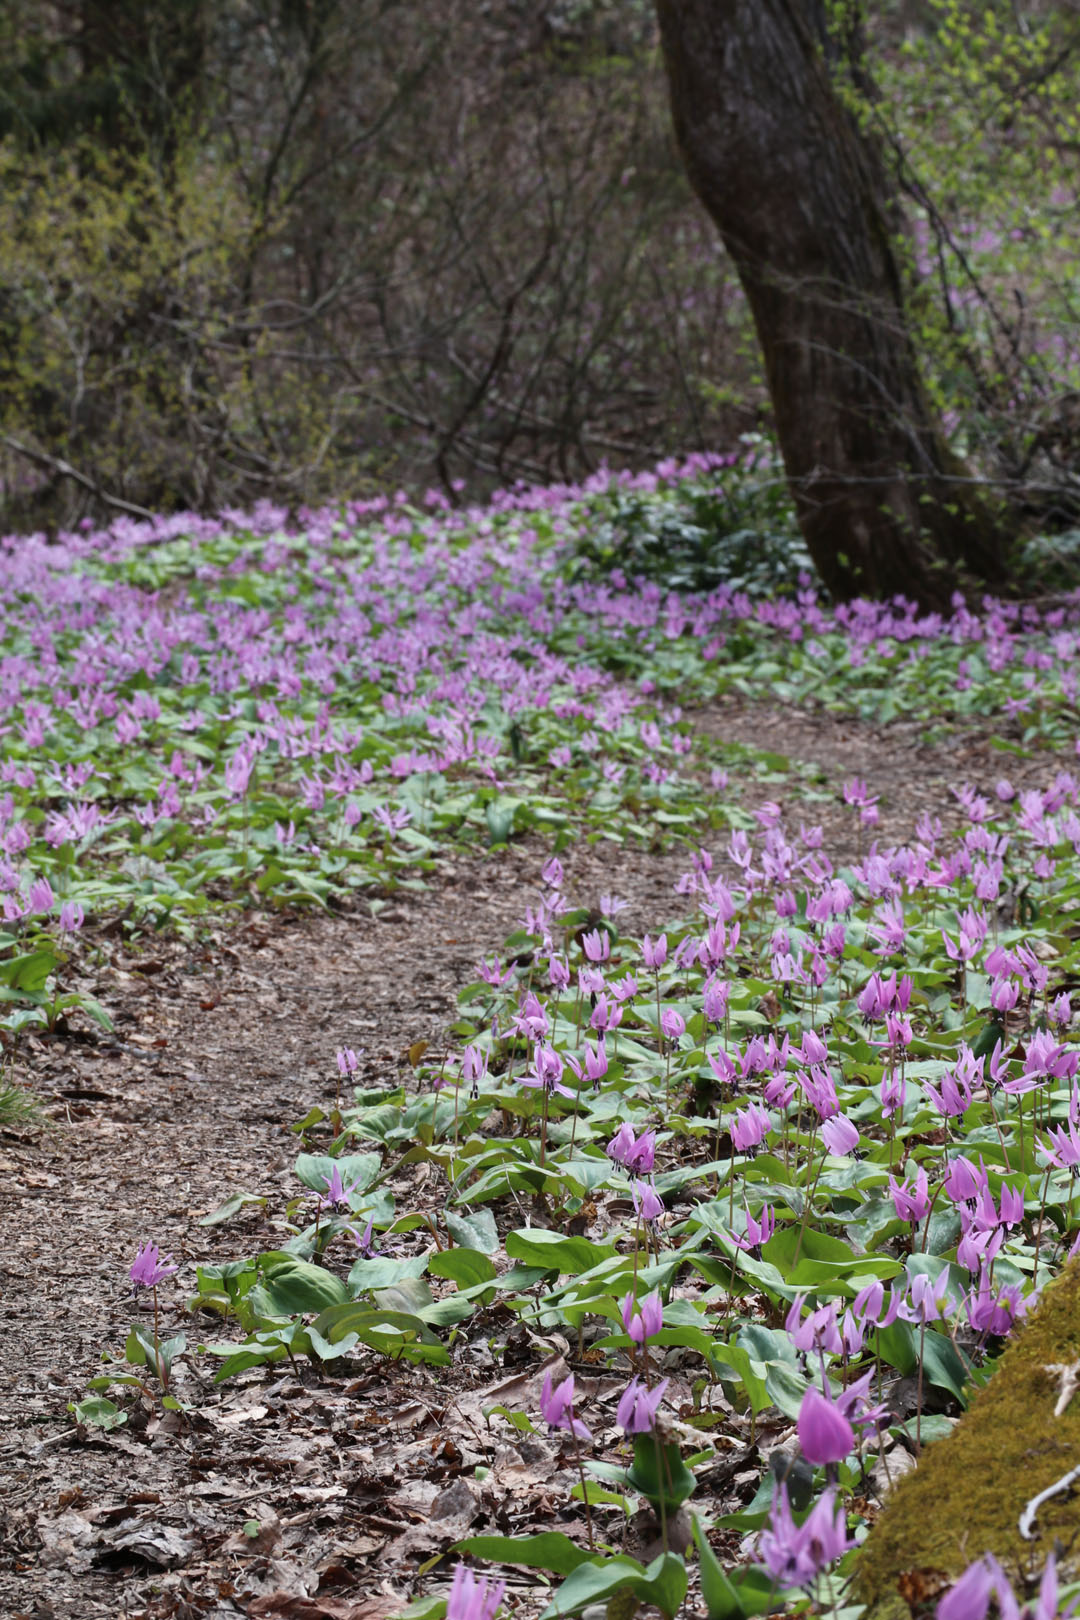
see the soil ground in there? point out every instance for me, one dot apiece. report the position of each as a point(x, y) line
point(346, 1485)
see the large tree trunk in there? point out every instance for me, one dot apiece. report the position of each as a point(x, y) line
point(805, 211)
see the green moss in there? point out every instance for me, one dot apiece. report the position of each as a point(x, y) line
point(968, 1493)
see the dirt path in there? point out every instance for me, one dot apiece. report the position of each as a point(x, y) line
point(219, 1049)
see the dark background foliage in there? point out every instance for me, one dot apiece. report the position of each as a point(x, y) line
point(289, 249)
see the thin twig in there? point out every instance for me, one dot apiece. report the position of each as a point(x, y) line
point(64, 468)
point(1027, 1518)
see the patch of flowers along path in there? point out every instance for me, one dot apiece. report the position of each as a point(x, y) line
point(645, 1268)
point(219, 1048)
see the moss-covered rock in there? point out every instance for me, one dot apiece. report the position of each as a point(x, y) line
point(969, 1491)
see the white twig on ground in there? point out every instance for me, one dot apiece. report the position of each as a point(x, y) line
point(1027, 1518)
point(1069, 1379)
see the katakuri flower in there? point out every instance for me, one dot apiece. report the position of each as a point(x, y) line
point(647, 1201)
point(557, 1407)
point(337, 1194)
point(794, 1554)
point(646, 1320)
point(473, 1597)
point(638, 1406)
point(150, 1267)
point(758, 1230)
point(825, 1434)
point(911, 1200)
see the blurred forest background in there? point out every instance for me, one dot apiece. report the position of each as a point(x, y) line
point(293, 249)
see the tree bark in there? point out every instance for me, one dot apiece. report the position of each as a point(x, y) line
point(807, 214)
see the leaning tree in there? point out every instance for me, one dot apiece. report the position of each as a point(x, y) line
point(779, 156)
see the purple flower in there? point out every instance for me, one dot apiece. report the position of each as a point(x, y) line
point(558, 972)
point(150, 1268)
point(749, 1127)
point(72, 916)
point(547, 1071)
point(363, 1240)
point(596, 945)
point(336, 1195)
point(963, 1181)
point(642, 1156)
point(1044, 1059)
point(911, 1202)
point(993, 1311)
point(606, 1014)
point(553, 873)
point(825, 1434)
point(819, 1330)
point(1063, 1148)
point(238, 770)
point(622, 1144)
point(596, 1064)
point(637, 1408)
point(474, 1068)
point(647, 1202)
point(655, 954)
point(715, 1000)
point(1046, 1604)
point(672, 1023)
point(41, 896)
point(795, 1555)
point(970, 1597)
point(757, 1231)
point(839, 1135)
point(954, 1095)
point(893, 1092)
point(869, 1303)
point(472, 1598)
point(557, 1406)
point(347, 1062)
point(645, 1322)
point(926, 1301)
point(856, 1404)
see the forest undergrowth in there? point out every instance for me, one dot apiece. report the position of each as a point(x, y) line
point(751, 1143)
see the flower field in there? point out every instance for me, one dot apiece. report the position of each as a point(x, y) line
point(760, 1191)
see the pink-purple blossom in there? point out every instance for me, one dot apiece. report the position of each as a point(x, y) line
point(638, 1406)
point(557, 1407)
point(473, 1597)
point(149, 1268)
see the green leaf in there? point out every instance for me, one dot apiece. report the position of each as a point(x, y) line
point(30, 971)
point(381, 1271)
point(721, 1598)
point(410, 1294)
point(97, 1413)
point(659, 1473)
point(896, 1346)
point(549, 1550)
point(231, 1207)
point(663, 1583)
point(521, 1421)
point(943, 1365)
point(425, 1608)
point(357, 1170)
point(475, 1230)
point(536, 1246)
point(789, 1242)
point(392, 1333)
point(466, 1267)
point(293, 1287)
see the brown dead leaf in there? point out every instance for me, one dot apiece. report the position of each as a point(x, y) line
point(158, 1545)
point(67, 1541)
point(290, 1606)
point(452, 1514)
